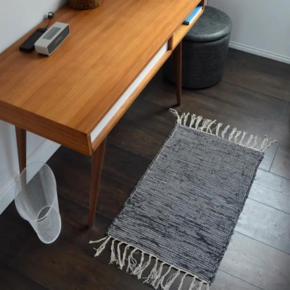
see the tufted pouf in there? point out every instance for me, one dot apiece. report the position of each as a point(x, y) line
point(204, 51)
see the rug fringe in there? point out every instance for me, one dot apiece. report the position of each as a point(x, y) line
point(235, 136)
point(158, 276)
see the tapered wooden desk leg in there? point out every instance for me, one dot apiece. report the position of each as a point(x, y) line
point(177, 56)
point(96, 173)
point(21, 148)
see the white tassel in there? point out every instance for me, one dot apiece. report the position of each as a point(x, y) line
point(175, 113)
point(152, 273)
point(243, 137)
point(209, 126)
point(160, 282)
point(185, 118)
point(98, 241)
point(182, 118)
point(269, 144)
point(171, 280)
point(249, 141)
point(203, 283)
point(113, 255)
point(181, 281)
point(102, 247)
point(168, 280)
point(131, 261)
point(158, 276)
point(231, 136)
point(119, 256)
point(198, 120)
point(200, 285)
point(204, 124)
point(225, 131)
point(219, 125)
point(256, 142)
point(123, 261)
point(139, 267)
point(193, 118)
point(237, 136)
point(264, 143)
point(192, 285)
point(144, 267)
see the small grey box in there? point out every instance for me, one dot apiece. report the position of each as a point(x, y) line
point(52, 38)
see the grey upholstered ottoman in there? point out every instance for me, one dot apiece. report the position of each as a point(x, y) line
point(204, 51)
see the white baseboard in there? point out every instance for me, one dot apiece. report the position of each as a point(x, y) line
point(260, 52)
point(42, 154)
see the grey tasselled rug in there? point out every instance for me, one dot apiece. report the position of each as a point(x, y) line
point(179, 219)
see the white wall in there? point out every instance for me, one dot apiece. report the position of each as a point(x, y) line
point(16, 18)
point(261, 27)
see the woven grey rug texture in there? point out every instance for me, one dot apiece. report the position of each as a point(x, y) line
point(183, 211)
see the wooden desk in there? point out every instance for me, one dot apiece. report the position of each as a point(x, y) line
point(77, 95)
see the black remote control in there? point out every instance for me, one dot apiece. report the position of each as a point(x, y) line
point(28, 44)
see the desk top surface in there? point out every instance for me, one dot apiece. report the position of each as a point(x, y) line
point(107, 48)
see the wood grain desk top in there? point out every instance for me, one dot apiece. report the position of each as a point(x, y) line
point(64, 96)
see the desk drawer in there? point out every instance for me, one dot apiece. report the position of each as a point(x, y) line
point(124, 102)
point(182, 30)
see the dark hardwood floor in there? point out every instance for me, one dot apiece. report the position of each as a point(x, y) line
point(253, 96)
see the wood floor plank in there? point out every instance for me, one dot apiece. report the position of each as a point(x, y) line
point(15, 235)
point(269, 158)
point(141, 140)
point(286, 116)
point(277, 86)
point(225, 281)
point(270, 197)
point(246, 100)
point(272, 181)
point(150, 115)
point(226, 96)
point(265, 224)
point(257, 263)
point(143, 129)
point(259, 64)
point(281, 164)
point(11, 279)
